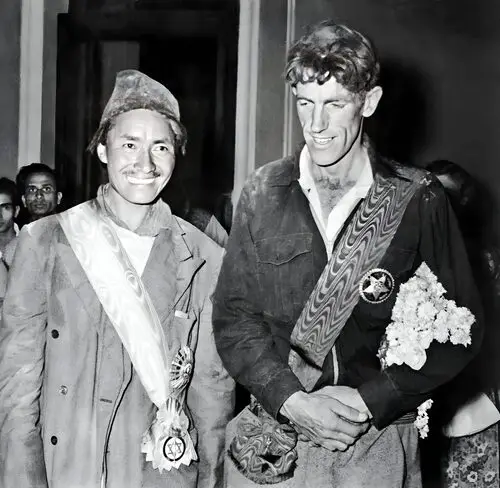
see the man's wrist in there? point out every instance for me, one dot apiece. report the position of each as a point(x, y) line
point(364, 406)
point(290, 404)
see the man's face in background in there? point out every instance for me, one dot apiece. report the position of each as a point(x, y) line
point(41, 197)
point(8, 212)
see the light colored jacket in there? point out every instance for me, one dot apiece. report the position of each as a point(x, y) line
point(68, 392)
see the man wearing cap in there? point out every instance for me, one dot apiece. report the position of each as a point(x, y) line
point(320, 246)
point(109, 376)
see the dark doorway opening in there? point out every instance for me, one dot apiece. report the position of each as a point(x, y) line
point(189, 47)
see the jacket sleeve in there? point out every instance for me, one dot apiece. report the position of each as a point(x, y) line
point(22, 344)
point(400, 389)
point(242, 335)
point(211, 400)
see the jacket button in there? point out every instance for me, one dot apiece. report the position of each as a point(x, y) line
point(55, 333)
point(53, 440)
point(63, 390)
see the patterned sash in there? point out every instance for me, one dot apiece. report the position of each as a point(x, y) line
point(336, 293)
point(122, 295)
point(165, 374)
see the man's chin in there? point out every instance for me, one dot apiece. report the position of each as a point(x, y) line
point(38, 214)
point(143, 198)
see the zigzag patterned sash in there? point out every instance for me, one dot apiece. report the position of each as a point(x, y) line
point(335, 295)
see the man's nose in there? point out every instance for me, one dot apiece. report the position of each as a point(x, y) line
point(39, 194)
point(319, 120)
point(145, 162)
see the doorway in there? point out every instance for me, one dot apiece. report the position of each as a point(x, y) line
point(192, 49)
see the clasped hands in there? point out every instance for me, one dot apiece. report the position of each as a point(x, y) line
point(333, 417)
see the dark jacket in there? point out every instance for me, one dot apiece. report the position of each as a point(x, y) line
point(275, 255)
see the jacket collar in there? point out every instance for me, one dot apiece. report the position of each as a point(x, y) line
point(290, 169)
point(158, 217)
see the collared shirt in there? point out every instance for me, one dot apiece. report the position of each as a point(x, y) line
point(330, 229)
point(158, 217)
point(137, 247)
point(139, 242)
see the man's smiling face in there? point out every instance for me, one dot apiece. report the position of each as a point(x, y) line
point(331, 119)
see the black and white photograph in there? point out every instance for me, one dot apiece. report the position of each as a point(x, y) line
point(249, 243)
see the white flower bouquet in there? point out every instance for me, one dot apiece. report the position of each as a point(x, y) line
point(421, 315)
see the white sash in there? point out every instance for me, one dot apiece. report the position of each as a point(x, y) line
point(129, 308)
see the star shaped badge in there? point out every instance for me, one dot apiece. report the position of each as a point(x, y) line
point(174, 448)
point(376, 286)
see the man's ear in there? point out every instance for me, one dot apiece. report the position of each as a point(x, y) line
point(59, 197)
point(16, 211)
point(23, 199)
point(101, 153)
point(372, 98)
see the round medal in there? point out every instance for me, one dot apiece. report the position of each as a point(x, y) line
point(376, 286)
point(174, 448)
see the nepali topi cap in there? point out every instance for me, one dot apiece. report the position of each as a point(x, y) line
point(134, 90)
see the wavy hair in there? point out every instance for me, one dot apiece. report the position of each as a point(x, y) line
point(329, 49)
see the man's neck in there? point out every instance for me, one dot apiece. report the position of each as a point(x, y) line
point(333, 182)
point(129, 213)
point(345, 171)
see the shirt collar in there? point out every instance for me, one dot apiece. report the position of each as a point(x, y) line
point(306, 181)
point(158, 217)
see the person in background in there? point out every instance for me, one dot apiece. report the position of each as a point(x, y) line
point(320, 246)
point(471, 460)
point(9, 209)
point(180, 202)
point(37, 185)
point(109, 375)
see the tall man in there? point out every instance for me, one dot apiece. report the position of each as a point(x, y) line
point(320, 243)
point(109, 374)
point(37, 185)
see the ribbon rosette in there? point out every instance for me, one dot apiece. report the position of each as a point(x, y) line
point(167, 443)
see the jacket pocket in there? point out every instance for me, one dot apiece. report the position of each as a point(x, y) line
point(282, 249)
point(284, 264)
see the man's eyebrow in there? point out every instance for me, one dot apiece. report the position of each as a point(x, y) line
point(129, 137)
point(340, 98)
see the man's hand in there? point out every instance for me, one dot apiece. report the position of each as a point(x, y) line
point(348, 396)
point(325, 420)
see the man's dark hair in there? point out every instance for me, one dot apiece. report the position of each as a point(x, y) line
point(26, 171)
point(329, 49)
point(8, 187)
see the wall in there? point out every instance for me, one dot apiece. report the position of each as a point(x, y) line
point(271, 88)
point(52, 9)
point(10, 51)
point(443, 95)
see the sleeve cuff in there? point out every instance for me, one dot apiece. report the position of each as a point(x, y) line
point(277, 390)
point(382, 399)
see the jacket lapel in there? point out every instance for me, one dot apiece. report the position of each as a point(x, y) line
point(167, 277)
point(79, 282)
point(170, 270)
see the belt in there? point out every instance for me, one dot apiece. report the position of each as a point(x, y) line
point(407, 418)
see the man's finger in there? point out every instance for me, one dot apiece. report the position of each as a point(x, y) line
point(334, 445)
point(353, 430)
point(347, 412)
